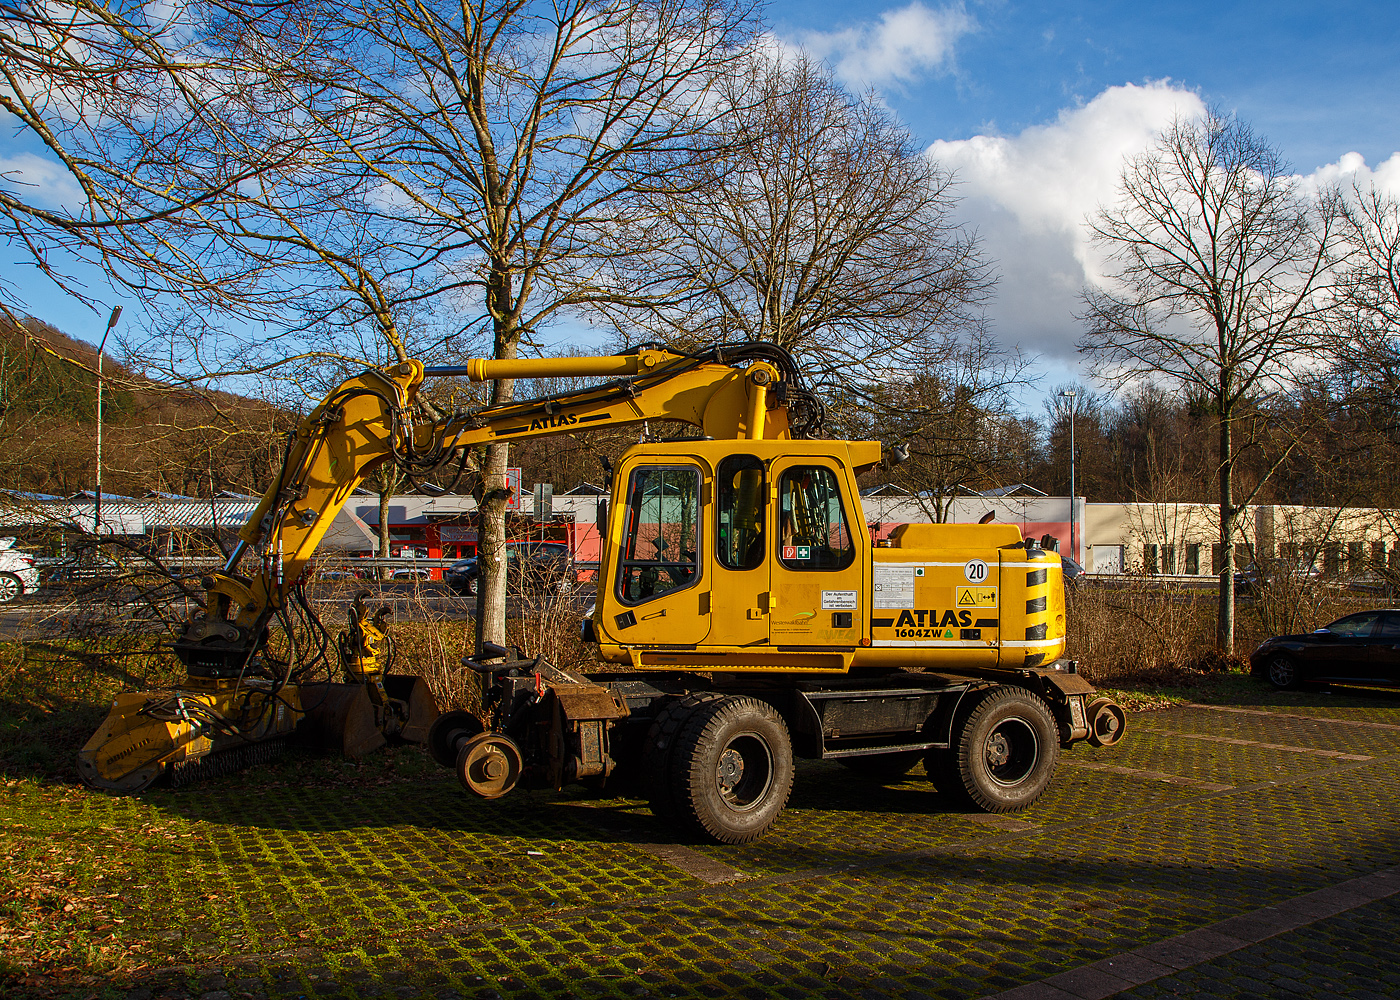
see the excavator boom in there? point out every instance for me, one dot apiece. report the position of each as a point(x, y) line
point(237, 695)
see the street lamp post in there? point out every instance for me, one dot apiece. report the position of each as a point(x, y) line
point(1070, 395)
point(97, 493)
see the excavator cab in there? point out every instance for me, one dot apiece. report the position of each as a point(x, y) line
point(736, 549)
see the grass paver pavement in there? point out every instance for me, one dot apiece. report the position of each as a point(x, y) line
point(321, 878)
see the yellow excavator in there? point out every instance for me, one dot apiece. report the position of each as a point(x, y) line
point(743, 612)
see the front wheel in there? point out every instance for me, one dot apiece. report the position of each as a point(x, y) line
point(1006, 751)
point(10, 587)
point(1283, 673)
point(731, 769)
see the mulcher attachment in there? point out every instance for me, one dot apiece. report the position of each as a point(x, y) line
point(207, 725)
point(215, 724)
point(230, 761)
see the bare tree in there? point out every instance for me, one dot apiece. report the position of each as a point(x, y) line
point(1218, 263)
point(1369, 291)
point(953, 412)
point(115, 101)
point(823, 230)
point(480, 158)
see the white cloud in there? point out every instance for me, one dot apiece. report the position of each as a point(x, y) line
point(1028, 196)
point(37, 181)
point(1351, 169)
point(900, 48)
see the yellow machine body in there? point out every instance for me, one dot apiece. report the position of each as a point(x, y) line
point(743, 551)
point(815, 597)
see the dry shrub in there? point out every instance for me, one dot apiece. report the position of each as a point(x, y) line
point(1289, 604)
point(554, 630)
point(1135, 629)
point(431, 642)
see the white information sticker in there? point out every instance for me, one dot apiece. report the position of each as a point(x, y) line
point(894, 586)
point(840, 600)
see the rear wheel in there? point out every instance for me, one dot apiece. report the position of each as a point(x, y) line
point(884, 765)
point(1283, 673)
point(10, 587)
point(1006, 751)
point(731, 769)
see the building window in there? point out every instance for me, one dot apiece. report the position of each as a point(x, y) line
point(1193, 560)
point(1149, 560)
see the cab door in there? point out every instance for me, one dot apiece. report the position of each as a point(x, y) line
point(660, 593)
point(739, 590)
point(818, 569)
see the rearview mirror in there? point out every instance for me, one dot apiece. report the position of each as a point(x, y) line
point(602, 517)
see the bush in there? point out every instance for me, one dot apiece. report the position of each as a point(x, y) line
point(1139, 629)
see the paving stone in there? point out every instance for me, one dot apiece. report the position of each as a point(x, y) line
point(416, 889)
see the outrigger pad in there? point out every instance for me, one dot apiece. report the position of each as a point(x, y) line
point(339, 717)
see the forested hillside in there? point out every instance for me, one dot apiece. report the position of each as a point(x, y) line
point(155, 436)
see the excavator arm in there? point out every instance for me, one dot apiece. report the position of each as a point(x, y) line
point(238, 696)
point(369, 420)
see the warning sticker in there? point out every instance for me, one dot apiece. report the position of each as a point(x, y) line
point(976, 597)
point(894, 586)
point(840, 600)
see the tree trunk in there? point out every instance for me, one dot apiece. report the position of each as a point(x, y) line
point(491, 547)
point(388, 482)
point(1225, 616)
point(491, 507)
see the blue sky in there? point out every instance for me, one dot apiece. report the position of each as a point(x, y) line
point(1318, 79)
point(1034, 106)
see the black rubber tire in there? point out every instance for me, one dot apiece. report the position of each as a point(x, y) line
point(731, 769)
point(943, 775)
point(658, 747)
point(10, 587)
point(887, 766)
point(1006, 750)
point(1283, 673)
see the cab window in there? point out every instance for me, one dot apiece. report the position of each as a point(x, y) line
point(739, 508)
point(813, 533)
point(662, 527)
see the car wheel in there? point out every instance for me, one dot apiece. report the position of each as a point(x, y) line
point(731, 769)
point(1283, 673)
point(885, 766)
point(10, 587)
point(469, 587)
point(1006, 750)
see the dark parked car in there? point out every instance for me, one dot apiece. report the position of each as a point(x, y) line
point(1363, 648)
point(529, 566)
